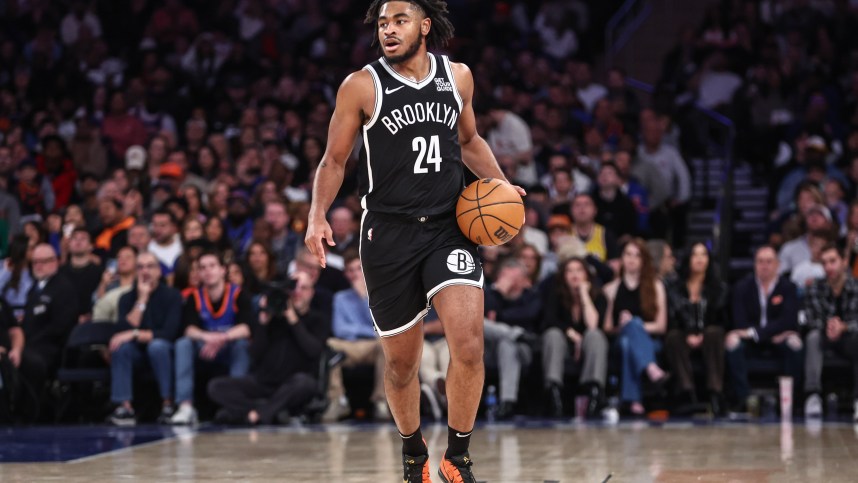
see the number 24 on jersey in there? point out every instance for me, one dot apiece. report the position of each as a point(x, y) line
point(429, 151)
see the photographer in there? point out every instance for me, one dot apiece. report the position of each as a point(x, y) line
point(284, 353)
point(217, 316)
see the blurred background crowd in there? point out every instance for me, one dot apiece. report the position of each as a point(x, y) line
point(156, 164)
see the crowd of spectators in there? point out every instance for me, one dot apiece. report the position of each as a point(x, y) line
point(157, 158)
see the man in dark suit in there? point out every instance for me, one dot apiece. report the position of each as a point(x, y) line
point(49, 316)
point(765, 320)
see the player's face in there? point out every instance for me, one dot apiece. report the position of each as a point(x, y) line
point(401, 29)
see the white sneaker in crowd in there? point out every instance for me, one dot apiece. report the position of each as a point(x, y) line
point(337, 410)
point(186, 415)
point(813, 406)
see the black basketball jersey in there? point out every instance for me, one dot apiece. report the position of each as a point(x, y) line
point(411, 161)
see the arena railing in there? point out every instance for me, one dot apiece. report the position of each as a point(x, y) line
point(623, 24)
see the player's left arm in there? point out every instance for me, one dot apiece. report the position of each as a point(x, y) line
point(476, 153)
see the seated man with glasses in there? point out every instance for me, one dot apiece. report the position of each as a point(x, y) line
point(49, 316)
point(150, 321)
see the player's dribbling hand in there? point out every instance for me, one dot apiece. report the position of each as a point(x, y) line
point(317, 230)
point(518, 189)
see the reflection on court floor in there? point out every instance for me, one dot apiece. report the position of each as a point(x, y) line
point(528, 451)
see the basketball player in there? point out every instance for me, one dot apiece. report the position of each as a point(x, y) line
point(413, 109)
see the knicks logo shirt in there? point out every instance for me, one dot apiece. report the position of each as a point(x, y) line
point(411, 160)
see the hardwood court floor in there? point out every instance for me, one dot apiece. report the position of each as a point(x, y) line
point(528, 452)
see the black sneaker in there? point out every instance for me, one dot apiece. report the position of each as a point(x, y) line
point(122, 416)
point(457, 469)
point(415, 469)
point(506, 410)
point(554, 396)
point(166, 414)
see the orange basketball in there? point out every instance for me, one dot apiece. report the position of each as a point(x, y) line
point(490, 212)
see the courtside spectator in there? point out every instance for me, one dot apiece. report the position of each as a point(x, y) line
point(512, 308)
point(831, 307)
point(285, 351)
point(698, 317)
point(217, 316)
point(573, 314)
point(150, 320)
point(49, 316)
point(354, 335)
point(765, 321)
point(637, 314)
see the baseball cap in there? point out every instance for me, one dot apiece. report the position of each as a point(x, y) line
point(170, 170)
point(559, 221)
point(135, 157)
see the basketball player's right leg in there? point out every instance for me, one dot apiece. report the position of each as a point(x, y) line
point(402, 353)
point(460, 309)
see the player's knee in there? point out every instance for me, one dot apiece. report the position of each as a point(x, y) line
point(401, 370)
point(469, 354)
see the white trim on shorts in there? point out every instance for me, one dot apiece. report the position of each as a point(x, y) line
point(399, 330)
point(454, 281)
point(429, 295)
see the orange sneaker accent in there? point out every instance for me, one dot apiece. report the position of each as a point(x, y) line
point(451, 472)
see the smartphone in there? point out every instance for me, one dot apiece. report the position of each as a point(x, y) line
point(68, 228)
point(111, 266)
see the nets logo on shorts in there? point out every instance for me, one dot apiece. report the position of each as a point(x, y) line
point(461, 262)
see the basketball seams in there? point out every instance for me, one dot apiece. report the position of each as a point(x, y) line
point(502, 221)
point(484, 205)
point(491, 204)
point(478, 192)
point(471, 226)
point(480, 209)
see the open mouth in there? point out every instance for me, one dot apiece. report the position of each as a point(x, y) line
point(391, 44)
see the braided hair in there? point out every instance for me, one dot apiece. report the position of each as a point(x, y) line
point(436, 10)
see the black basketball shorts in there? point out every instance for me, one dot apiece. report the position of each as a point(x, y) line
point(407, 261)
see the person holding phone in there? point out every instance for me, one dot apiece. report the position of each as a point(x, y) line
point(285, 351)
